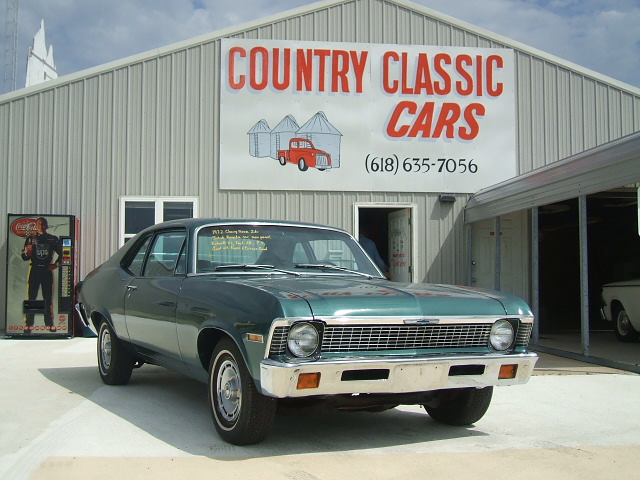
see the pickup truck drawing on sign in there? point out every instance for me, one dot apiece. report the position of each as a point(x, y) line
point(303, 153)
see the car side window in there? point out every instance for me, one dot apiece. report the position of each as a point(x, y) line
point(164, 254)
point(137, 259)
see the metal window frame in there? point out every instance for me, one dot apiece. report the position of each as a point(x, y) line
point(158, 210)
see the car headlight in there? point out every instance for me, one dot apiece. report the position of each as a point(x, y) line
point(303, 339)
point(501, 336)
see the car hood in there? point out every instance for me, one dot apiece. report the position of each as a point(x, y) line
point(352, 296)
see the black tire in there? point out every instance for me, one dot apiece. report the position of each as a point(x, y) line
point(302, 165)
point(241, 414)
point(115, 363)
point(460, 407)
point(622, 326)
point(282, 160)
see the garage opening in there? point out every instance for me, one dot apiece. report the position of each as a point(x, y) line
point(613, 246)
point(604, 217)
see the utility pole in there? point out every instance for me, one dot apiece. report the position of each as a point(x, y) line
point(11, 46)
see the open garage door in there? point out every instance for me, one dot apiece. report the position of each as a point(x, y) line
point(613, 246)
point(583, 212)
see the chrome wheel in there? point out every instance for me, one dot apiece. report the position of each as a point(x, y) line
point(624, 324)
point(115, 363)
point(241, 414)
point(623, 328)
point(105, 350)
point(229, 391)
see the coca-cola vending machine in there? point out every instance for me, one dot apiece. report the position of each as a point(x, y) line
point(42, 267)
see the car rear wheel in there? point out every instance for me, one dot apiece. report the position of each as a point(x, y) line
point(282, 160)
point(460, 407)
point(241, 414)
point(623, 328)
point(114, 362)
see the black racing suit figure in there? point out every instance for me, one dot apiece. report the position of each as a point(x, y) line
point(39, 249)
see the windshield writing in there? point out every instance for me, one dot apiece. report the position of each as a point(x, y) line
point(282, 247)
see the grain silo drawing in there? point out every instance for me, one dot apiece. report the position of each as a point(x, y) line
point(260, 139)
point(282, 133)
point(323, 135)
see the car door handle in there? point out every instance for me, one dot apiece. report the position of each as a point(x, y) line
point(131, 288)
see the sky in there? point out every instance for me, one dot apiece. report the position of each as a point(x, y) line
point(602, 35)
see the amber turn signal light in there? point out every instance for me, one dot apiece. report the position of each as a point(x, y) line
point(308, 380)
point(254, 337)
point(508, 371)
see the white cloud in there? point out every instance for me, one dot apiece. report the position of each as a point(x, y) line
point(599, 34)
point(602, 35)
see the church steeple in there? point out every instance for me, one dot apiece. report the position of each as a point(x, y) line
point(40, 64)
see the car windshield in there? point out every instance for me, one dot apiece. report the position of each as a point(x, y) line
point(290, 248)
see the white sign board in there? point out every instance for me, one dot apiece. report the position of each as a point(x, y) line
point(365, 117)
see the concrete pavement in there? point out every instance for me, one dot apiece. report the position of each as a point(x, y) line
point(60, 422)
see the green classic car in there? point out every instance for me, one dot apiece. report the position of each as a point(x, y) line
point(280, 314)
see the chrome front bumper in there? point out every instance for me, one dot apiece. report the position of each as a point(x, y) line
point(392, 375)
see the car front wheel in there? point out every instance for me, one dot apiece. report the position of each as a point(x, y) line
point(302, 165)
point(114, 362)
point(241, 414)
point(623, 328)
point(460, 407)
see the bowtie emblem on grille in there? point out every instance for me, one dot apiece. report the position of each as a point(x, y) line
point(421, 321)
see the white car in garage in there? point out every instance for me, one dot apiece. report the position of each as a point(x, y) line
point(621, 305)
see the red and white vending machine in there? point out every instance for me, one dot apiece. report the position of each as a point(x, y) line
point(42, 267)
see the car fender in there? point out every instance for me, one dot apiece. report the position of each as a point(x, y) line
point(631, 307)
point(209, 335)
point(624, 293)
point(119, 328)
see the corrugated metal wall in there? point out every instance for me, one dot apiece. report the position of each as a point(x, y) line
point(149, 126)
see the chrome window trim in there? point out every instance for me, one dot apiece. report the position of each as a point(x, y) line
point(248, 223)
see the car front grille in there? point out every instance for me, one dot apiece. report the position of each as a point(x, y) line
point(279, 341)
point(523, 335)
point(403, 337)
point(372, 338)
point(322, 161)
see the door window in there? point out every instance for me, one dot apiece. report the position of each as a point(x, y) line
point(136, 262)
point(164, 254)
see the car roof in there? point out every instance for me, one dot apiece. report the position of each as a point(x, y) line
point(194, 223)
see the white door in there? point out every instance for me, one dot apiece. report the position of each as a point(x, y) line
point(400, 245)
point(513, 258)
